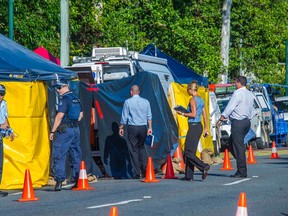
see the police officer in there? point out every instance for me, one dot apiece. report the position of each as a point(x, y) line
point(65, 134)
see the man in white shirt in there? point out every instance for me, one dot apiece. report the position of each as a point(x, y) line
point(239, 110)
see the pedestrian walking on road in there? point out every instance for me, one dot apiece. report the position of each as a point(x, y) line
point(239, 111)
point(196, 108)
point(137, 115)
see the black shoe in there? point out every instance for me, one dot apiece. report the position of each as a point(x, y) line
point(236, 175)
point(186, 179)
point(74, 186)
point(3, 194)
point(137, 177)
point(205, 172)
point(58, 186)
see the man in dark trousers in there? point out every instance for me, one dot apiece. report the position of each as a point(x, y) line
point(239, 110)
point(65, 134)
point(137, 114)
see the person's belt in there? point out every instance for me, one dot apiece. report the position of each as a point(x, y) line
point(194, 123)
point(239, 119)
point(71, 124)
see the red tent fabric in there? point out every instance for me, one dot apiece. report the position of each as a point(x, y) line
point(45, 54)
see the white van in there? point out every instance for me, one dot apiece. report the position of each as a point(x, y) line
point(261, 122)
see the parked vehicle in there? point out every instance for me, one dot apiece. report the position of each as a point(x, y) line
point(261, 122)
point(278, 127)
point(225, 129)
point(107, 64)
point(222, 94)
point(214, 116)
point(282, 105)
point(113, 63)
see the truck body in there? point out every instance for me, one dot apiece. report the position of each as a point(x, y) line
point(277, 103)
point(114, 63)
point(107, 64)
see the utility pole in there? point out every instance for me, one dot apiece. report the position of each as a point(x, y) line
point(241, 58)
point(225, 41)
point(65, 47)
point(286, 67)
point(11, 19)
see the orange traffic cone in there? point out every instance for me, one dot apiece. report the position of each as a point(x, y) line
point(83, 180)
point(163, 169)
point(178, 154)
point(169, 169)
point(28, 191)
point(251, 158)
point(274, 154)
point(113, 211)
point(242, 205)
point(150, 175)
point(226, 163)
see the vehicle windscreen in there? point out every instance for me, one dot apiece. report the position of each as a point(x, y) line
point(262, 102)
point(115, 72)
point(282, 105)
point(222, 104)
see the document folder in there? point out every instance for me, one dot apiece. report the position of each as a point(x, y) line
point(149, 140)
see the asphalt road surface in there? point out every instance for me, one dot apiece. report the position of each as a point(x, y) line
point(266, 190)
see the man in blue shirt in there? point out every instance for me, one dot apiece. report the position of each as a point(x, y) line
point(136, 114)
point(239, 110)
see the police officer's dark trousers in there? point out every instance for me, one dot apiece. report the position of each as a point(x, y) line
point(136, 137)
point(239, 128)
point(68, 141)
point(191, 144)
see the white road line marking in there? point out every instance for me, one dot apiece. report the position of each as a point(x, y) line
point(112, 204)
point(147, 197)
point(237, 182)
point(14, 194)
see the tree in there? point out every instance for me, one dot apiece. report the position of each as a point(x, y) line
point(189, 31)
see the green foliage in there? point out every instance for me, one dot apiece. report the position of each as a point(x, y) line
point(189, 31)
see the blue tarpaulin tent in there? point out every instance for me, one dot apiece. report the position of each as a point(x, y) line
point(18, 63)
point(110, 97)
point(181, 73)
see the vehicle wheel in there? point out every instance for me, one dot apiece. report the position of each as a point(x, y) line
point(259, 143)
point(253, 144)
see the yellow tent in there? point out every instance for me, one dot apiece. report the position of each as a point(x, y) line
point(28, 116)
